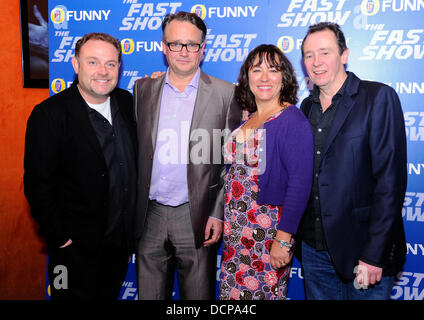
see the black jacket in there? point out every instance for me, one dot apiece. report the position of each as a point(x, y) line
point(66, 178)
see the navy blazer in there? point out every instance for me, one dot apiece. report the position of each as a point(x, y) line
point(362, 178)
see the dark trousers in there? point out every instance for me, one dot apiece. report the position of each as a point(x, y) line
point(166, 244)
point(76, 274)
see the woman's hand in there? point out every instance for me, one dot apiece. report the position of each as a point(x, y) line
point(280, 257)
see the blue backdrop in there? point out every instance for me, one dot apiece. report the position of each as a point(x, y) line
point(386, 42)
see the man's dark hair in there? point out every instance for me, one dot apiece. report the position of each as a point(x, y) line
point(334, 27)
point(99, 36)
point(187, 17)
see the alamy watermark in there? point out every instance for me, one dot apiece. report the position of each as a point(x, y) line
point(60, 282)
point(216, 146)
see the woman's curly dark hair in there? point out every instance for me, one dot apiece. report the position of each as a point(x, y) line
point(275, 58)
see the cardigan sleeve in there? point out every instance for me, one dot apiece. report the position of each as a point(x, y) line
point(296, 150)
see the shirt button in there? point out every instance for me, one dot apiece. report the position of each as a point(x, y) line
point(319, 130)
point(318, 152)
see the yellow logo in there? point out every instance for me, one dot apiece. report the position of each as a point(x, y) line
point(58, 85)
point(127, 46)
point(370, 7)
point(285, 44)
point(200, 10)
point(57, 15)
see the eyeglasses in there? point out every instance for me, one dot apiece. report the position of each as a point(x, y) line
point(177, 47)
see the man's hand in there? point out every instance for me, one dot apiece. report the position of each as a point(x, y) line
point(68, 243)
point(155, 74)
point(214, 227)
point(367, 274)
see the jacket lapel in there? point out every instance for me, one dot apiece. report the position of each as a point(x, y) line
point(78, 110)
point(204, 95)
point(154, 103)
point(306, 107)
point(343, 110)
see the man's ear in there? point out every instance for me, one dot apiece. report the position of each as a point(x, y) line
point(202, 48)
point(164, 48)
point(345, 56)
point(75, 64)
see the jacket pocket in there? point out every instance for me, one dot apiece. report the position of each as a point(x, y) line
point(362, 214)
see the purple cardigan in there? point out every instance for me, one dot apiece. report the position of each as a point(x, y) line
point(287, 159)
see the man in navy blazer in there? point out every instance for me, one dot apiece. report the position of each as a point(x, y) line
point(353, 239)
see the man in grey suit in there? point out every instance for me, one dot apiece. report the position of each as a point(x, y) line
point(180, 197)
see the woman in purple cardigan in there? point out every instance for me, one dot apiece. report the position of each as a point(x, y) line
point(269, 180)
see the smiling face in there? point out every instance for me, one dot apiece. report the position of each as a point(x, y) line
point(265, 82)
point(323, 61)
point(183, 63)
point(97, 68)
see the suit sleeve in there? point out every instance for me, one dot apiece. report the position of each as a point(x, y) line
point(140, 86)
point(387, 140)
point(135, 94)
point(41, 163)
point(232, 120)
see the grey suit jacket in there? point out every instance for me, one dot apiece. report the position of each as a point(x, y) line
point(215, 108)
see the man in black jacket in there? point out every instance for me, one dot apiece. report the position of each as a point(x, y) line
point(80, 175)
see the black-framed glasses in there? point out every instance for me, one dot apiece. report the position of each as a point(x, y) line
point(177, 46)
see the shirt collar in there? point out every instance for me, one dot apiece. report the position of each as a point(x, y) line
point(193, 83)
point(315, 91)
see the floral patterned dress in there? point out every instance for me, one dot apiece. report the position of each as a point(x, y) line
point(246, 272)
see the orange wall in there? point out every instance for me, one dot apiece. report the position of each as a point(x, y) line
point(22, 253)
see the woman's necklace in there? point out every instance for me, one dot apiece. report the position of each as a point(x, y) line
point(256, 121)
